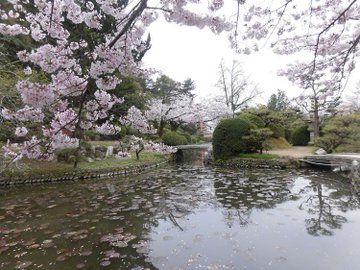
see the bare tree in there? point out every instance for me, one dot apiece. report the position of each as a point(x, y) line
point(237, 87)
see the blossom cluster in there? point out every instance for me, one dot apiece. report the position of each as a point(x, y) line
point(80, 70)
point(137, 120)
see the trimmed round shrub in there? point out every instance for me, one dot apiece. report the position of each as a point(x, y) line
point(228, 137)
point(173, 138)
point(300, 136)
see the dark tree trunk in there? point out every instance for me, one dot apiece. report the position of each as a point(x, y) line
point(174, 126)
point(316, 119)
point(161, 127)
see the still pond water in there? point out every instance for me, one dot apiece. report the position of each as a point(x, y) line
point(184, 216)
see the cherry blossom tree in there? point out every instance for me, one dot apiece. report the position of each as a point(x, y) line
point(184, 110)
point(326, 30)
point(174, 112)
point(137, 145)
point(327, 33)
point(83, 46)
point(81, 68)
point(352, 102)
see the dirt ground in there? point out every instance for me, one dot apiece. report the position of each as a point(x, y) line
point(295, 151)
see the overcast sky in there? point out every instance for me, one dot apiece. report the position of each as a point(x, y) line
point(187, 52)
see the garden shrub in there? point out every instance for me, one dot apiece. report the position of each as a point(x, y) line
point(288, 134)
point(7, 131)
point(66, 155)
point(253, 119)
point(173, 138)
point(341, 133)
point(91, 135)
point(187, 136)
point(278, 130)
point(257, 140)
point(300, 136)
point(228, 137)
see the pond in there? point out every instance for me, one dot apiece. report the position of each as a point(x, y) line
point(184, 216)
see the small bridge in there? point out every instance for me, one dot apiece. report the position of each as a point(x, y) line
point(332, 161)
point(193, 146)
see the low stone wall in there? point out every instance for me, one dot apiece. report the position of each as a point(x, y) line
point(79, 175)
point(278, 163)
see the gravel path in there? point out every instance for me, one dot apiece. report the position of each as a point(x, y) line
point(295, 151)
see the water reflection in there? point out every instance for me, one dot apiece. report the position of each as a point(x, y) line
point(327, 207)
point(240, 193)
point(183, 216)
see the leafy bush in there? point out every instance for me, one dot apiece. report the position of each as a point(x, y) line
point(91, 135)
point(187, 136)
point(173, 138)
point(7, 131)
point(253, 119)
point(341, 133)
point(278, 130)
point(228, 137)
point(257, 140)
point(67, 155)
point(300, 136)
point(262, 117)
point(288, 134)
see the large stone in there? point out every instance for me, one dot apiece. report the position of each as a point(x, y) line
point(320, 151)
point(109, 151)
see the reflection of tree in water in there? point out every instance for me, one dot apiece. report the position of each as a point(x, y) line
point(190, 156)
point(327, 205)
point(239, 193)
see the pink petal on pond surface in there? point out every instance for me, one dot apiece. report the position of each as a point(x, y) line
point(33, 246)
point(23, 265)
point(80, 265)
point(3, 249)
point(86, 253)
point(62, 258)
point(105, 263)
point(111, 254)
point(47, 243)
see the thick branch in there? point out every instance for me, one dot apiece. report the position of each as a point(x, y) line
point(137, 12)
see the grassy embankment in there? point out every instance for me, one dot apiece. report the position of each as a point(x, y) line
point(28, 167)
point(258, 156)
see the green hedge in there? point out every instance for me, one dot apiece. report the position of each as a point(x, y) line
point(173, 138)
point(227, 137)
point(300, 136)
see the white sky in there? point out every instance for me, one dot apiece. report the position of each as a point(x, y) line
point(188, 52)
